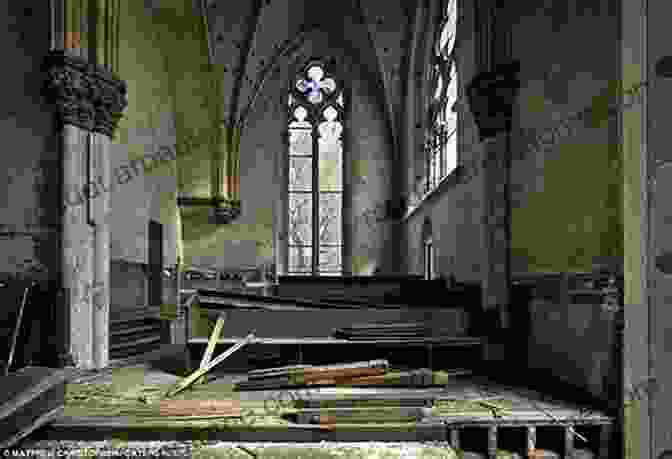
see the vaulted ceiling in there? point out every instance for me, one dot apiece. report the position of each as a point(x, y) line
point(251, 38)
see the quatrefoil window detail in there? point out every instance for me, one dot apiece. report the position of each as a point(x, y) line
point(315, 85)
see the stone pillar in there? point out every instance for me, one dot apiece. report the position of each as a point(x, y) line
point(497, 237)
point(77, 246)
point(89, 100)
point(644, 286)
point(101, 236)
point(491, 97)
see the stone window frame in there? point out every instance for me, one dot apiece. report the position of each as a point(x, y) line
point(440, 133)
point(341, 98)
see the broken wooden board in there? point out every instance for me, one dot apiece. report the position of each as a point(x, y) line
point(214, 407)
point(416, 378)
point(30, 398)
point(361, 415)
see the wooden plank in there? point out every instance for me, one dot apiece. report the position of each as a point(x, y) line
point(333, 394)
point(213, 298)
point(415, 378)
point(37, 423)
point(361, 403)
point(219, 408)
point(444, 342)
point(29, 398)
point(294, 369)
point(214, 336)
point(201, 371)
point(328, 416)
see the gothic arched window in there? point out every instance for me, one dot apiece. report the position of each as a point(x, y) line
point(441, 144)
point(315, 179)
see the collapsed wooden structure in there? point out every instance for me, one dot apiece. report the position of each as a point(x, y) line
point(391, 397)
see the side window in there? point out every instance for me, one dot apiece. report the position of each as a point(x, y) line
point(441, 144)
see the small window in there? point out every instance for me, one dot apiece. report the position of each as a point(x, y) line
point(430, 272)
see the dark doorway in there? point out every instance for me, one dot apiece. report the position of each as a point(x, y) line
point(155, 263)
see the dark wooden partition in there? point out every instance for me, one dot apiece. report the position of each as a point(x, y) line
point(403, 290)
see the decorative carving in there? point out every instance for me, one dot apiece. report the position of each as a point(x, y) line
point(226, 212)
point(611, 295)
point(86, 95)
point(223, 211)
point(491, 97)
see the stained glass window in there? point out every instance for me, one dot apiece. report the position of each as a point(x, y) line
point(315, 180)
point(441, 146)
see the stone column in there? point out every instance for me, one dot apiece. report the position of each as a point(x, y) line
point(491, 98)
point(497, 237)
point(77, 246)
point(645, 426)
point(89, 100)
point(101, 236)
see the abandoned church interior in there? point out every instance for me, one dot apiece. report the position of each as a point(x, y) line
point(429, 224)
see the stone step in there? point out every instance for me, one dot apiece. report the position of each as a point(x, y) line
point(133, 337)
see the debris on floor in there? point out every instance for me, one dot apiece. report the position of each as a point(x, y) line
point(30, 398)
point(476, 414)
point(371, 373)
point(304, 375)
point(231, 450)
point(218, 408)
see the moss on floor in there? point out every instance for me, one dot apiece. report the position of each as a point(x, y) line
point(140, 403)
point(472, 407)
point(227, 450)
point(362, 451)
point(126, 397)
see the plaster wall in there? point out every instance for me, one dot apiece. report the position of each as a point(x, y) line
point(566, 189)
point(30, 200)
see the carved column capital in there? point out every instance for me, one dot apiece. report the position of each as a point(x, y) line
point(491, 98)
point(85, 94)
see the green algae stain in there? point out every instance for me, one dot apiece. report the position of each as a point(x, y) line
point(360, 168)
point(583, 220)
point(632, 423)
